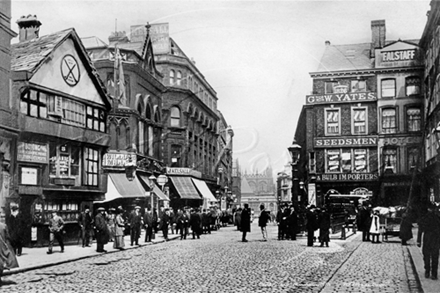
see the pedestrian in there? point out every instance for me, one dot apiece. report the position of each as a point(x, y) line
point(205, 222)
point(311, 225)
point(194, 222)
point(148, 224)
point(183, 222)
point(238, 218)
point(405, 231)
point(135, 222)
point(364, 221)
point(101, 228)
point(56, 230)
point(16, 228)
point(375, 227)
point(165, 222)
point(278, 220)
point(172, 221)
point(292, 223)
point(111, 222)
point(119, 229)
point(245, 222)
point(324, 227)
point(155, 221)
point(429, 227)
point(262, 221)
point(7, 255)
point(85, 221)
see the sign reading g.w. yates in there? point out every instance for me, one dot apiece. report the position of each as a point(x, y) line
point(341, 98)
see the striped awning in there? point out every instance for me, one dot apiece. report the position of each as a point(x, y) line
point(185, 187)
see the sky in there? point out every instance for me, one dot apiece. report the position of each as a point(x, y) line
point(257, 55)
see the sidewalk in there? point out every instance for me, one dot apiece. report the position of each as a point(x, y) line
point(35, 258)
point(428, 285)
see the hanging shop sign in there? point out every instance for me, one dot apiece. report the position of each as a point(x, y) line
point(347, 177)
point(118, 160)
point(184, 172)
point(33, 152)
point(344, 142)
point(341, 98)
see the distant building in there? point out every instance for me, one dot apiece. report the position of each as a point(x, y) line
point(257, 189)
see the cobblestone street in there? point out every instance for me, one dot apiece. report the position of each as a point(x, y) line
point(220, 262)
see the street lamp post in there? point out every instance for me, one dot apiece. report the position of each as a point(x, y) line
point(294, 151)
point(152, 179)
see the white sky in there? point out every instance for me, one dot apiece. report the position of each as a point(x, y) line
point(257, 55)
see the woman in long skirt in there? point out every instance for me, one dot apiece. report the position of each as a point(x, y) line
point(119, 230)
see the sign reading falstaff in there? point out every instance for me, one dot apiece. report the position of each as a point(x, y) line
point(345, 141)
point(347, 177)
point(341, 98)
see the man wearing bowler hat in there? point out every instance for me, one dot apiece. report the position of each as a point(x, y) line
point(135, 221)
point(102, 233)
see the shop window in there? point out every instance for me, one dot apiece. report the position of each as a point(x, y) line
point(359, 120)
point(389, 120)
point(330, 87)
point(412, 85)
point(67, 210)
point(413, 118)
point(360, 160)
point(346, 161)
point(91, 167)
point(358, 86)
point(332, 121)
point(388, 88)
point(390, 160)
point(175, 116)
point(333, 161)
point(64, 164)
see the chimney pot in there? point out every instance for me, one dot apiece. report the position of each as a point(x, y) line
point(378, 35)
point(327, 43)
point(29, 27)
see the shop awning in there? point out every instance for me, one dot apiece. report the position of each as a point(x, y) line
point(185, 187)
point(156, 189)
point(118, 186)
point(204, 190)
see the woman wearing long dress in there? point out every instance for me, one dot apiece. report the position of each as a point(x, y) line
point(119, 242)
point(375, 227)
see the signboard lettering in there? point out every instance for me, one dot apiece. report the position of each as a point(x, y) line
point(183, 171)
point(32, 152)
point(341, 98)
point(118, 159)
point(402, 141)
point(402, 55)
point(347, 177)
point(343, 142)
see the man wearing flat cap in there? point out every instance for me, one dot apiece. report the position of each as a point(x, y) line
point(101, 228)
point(135, 221)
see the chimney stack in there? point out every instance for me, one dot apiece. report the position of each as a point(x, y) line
point(327, 43)
point(29, 28)
point(378, 35)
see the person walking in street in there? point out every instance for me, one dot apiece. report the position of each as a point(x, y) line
point(101, 228)
point(280, 226)
point(164, 223)
point(56, 231)
point(205, 222)
point(183, 221)
point(85, 221)
point(324, 227)
point(364, 221)
point(292, 223)
point(7, 255)
point(16, 227)
point(238, 219)
point(245, 222)
point(135, 221)
point(148, 224)
point(155, 221)
point(429, 227)
point(194, 222)
point(111, 222)
point(405, 231)
point(311, 225)
point(375, 227)
point(262, 221)
point(119, 229)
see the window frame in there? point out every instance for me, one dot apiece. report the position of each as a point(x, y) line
point(175, 121)
point(395, 161)
point(417, 85)
point(353, 122)
point(90, 161)
point(382, 83)
point(410, 122)
point(172, 76)
point(350, 162)
point(327, 132)
point(382, 120)
point(327, 87)
point(363, 81)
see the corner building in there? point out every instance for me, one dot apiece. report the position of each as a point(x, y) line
point(354, 126)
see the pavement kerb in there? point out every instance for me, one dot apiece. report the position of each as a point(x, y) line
point(73, 258)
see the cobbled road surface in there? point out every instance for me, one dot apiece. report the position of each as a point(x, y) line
point(220, 262)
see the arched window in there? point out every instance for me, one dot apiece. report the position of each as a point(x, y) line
point(175, 116)
point(179, 78)
point(156, 114)
point(148, 112)
point(139, 108)
point(172, 74)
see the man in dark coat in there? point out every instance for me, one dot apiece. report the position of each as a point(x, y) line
point(148, 224)
point(101, 228)
point(164, 223)
point(16, 227)
point(85, 221)
point(245, 221)
point(405, 231)
point(194, 222)
point(206, 222)
point(429, 227)
point(324, 227)
point(262, 221)
point(292, 223)
point(364, 222)
point(135, 221)
point(312, 224)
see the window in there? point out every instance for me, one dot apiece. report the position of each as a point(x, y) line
point(148, 111)
point(330, 87)
point(190, 83)
point(388, 89)
point(175, 116)
point(358, 86)
point(360, 160)
point(312, 162)
point(179, 78)
point(359, 120)
point(333, 161)
point(64, 161)
point(389, 121)
point(346, 161)
point(150, 140)
point(175, 155)
point(413, 119)
point(413, 157)
point(91, 163)
point(96, 119)
point(34, 103)
point(390, 160)
point(332, 121)
point(172, 74)
point(140, 142)
point(412, 85)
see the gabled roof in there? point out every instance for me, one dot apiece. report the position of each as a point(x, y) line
point(30, 55)
point(346, 57)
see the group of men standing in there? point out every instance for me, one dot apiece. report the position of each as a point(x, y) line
point(287, 220)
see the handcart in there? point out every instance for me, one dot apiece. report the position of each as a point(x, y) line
point(390, 227)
